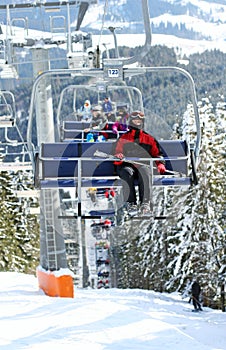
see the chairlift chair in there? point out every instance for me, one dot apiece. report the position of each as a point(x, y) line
point(7, 109)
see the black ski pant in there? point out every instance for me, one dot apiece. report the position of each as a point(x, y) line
point(196, 303)
point(129, 174)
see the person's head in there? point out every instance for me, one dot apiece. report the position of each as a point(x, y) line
point(136, 119)
point(122, 115)
point(87, 103)
point(97, 111)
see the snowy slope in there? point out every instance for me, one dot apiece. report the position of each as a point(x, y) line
point(206, 21)
point(103, 319)
point(205, 17)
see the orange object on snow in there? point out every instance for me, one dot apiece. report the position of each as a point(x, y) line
point(55, 286)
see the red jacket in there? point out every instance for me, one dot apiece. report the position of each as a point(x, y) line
point(138, 143)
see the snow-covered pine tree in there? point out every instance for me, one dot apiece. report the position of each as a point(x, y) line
point(192, 244)
point(153, 244)
point(129, 274)
point(156, 243)
point(19, 235)
point(199, 230)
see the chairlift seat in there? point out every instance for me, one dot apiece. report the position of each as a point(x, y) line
point(65, 164)
point(6, 122)
point(6, 116)
point(72, 130)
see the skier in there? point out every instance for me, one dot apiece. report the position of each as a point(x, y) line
point(85, 111)
point(107, 223)
point(195, 292)
point(92, 193)
point(97, 123)
point(136, 142)
point(107, 106)
point(121, 122)
point(109, 193)
point(108, 109)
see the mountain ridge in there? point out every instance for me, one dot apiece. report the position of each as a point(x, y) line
point(188, 19)
point(184, 18)
point(186, 25)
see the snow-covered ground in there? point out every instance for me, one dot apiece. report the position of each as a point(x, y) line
point(105, 319)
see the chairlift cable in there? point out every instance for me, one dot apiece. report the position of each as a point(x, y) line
point(42, 19)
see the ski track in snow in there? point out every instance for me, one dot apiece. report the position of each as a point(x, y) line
point(103, 319)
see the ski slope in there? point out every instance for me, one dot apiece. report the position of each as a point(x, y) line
point(105, 319)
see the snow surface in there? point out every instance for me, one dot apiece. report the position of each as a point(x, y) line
point(106, 319)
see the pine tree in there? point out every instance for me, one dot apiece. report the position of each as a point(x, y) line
point(19, 232)
point(199, 232)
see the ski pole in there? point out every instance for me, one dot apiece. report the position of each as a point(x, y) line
point(101, 154)
point(197, 301)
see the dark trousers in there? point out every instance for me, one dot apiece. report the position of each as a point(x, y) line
point(129, 174)
point(196, 303)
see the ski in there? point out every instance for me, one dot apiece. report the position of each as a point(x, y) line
point(193, 310)
point(104, 155)
point(148, 217)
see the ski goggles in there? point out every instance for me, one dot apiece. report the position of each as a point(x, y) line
point(137, 115)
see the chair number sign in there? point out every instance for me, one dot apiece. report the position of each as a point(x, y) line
point(113, 73)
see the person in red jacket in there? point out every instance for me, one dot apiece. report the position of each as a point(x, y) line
point(137, 143)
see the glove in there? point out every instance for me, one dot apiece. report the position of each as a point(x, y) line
point(161, 168)
point(119, 155)
point(114, 129)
